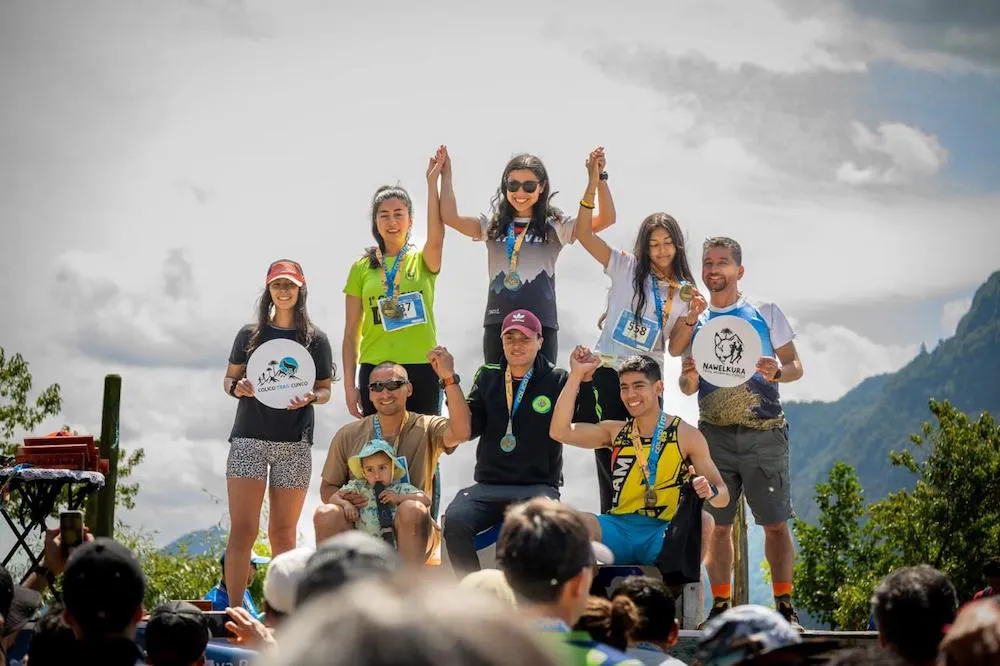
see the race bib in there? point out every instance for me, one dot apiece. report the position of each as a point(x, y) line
point(414, 312)
point(406, 467)
point(639, 334)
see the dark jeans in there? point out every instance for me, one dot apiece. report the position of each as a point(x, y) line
point(477, 508)
point(426, 398)
point(611, 408)
point(493, 347)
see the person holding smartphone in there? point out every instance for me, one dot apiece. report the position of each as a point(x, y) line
point(524, 234)
point(271, 447)
point(389, 300)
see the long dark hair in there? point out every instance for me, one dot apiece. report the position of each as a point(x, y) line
point(643, 265)
point(304, 328)
point(503, 212)
point(381, 195)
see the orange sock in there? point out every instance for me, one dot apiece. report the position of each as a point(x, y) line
point(781, 589)
point(722, 591)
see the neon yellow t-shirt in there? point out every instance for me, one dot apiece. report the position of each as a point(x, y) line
point(406, 345)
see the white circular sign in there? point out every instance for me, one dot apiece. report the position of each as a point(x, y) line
point(726, 351)
point(280, 370)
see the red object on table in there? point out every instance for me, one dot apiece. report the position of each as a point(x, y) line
point(62, 450)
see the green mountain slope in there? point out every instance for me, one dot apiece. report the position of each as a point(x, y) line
point(879, 414)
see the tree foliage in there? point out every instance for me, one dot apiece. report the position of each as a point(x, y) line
point(950, 519)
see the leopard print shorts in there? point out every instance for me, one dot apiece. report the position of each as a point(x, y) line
point(290, 463)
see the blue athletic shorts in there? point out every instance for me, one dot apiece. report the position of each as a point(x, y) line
point(632, 538)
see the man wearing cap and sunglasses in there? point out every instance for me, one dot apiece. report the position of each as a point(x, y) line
point(516, 459)
point(418, 440)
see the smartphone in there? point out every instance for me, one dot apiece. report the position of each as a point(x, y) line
point(217, 624)
point(70, 531)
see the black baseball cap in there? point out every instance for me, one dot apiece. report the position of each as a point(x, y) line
point(17, 603)
point(103, 587)
point(345, 558)
point(176, 633)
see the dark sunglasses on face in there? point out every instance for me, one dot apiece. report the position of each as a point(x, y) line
point(528, 185)
point(391, 385)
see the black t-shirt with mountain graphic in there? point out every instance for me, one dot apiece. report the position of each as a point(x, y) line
point(258, 421)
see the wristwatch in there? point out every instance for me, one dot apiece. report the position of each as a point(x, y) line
point(232, 388)
point(604, 175)
point(445, 383)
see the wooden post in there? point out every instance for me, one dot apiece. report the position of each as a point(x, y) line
point(101, 505)
point(741, 567)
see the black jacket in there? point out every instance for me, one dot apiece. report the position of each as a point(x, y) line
point(537, 458)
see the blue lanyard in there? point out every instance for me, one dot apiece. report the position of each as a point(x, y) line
point(511, 237)
point(390, 275)
point(378, 427)
point(654, 448)
point(657, 301)
point(520, 393)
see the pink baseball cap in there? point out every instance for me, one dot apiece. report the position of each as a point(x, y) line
point(524, 321)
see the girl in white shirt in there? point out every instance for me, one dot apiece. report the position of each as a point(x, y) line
point(653, 304)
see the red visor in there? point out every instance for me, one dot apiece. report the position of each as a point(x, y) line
point(288, 270)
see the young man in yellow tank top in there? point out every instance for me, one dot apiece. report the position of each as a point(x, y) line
point(641, 511)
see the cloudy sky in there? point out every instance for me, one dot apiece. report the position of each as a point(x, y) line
point(154, 157)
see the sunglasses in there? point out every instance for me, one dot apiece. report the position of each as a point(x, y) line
point(391, 385)
point(528, 185)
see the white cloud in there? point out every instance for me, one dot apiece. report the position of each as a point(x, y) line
point(906, 154)
point(952, 313)
point(836, 359)
point(159, 162)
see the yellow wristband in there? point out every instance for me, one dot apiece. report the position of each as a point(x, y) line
point(586, 204)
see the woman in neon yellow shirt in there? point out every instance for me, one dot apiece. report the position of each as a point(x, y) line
point(390, 300)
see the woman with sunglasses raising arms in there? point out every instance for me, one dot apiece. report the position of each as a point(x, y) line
point(389, 300)
point(265, 439)
point(652, 308)
point(524, 234)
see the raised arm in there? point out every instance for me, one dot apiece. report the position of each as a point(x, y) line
point(349, 351)
point(683, 331)
point(705, 474)
point(449, 207)
point(606, 215)
point(434, 246)
point(688, 380)
point(459, 417)
point(585, 219)
point(562, 429)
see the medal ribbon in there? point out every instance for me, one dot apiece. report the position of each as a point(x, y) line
point(378, 429)
point(663, 314)
point(514, 246)
point(514, 401)
point(648, 467)
point(390, 278)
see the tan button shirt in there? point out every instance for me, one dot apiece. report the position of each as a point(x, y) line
point(421, 442)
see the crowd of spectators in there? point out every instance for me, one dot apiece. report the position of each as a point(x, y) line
point(353, 601)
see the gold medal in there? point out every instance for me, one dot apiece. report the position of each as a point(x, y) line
point(687, 292)
point(650, 498)
point(512, 281)
point(391, 309)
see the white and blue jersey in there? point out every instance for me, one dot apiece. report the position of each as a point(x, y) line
point(755, 404)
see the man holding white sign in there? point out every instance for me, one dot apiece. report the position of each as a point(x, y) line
point(741, 350)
